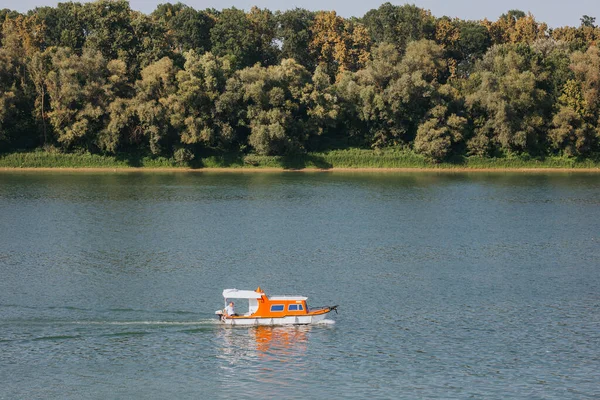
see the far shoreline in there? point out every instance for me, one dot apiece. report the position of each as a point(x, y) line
point(301, 170)
point(334, 161)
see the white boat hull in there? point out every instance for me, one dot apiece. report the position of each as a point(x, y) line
point(290, 320)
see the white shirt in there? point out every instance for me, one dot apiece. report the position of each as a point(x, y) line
point(229, 310)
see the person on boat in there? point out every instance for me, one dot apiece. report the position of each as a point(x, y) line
point(230, 310)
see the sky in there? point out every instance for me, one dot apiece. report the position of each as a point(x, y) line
point(554, 12)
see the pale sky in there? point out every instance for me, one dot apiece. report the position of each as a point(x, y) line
point(554, 12)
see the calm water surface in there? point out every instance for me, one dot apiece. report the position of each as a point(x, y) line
point(449, 285)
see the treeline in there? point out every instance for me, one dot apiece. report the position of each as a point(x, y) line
point(101, 78)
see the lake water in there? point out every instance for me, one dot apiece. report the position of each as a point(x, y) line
point(449, 285)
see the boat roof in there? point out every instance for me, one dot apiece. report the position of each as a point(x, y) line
point(241, 294)
point(253, 294)
point(288, 298)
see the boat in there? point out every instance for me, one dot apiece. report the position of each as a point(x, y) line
point(274, 310)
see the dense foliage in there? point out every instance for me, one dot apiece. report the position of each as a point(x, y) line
point(101, 78)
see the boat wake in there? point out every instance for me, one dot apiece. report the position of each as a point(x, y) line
point(76, 330)
point(156, 323)
point(325, 322)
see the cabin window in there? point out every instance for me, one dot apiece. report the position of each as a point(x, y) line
point(295, 307)
point(277, 307)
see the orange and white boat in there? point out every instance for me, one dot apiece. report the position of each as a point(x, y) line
point(274, 310)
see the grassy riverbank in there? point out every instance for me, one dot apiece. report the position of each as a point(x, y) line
point(338, 159)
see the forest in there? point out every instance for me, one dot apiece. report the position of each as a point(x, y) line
point(101, 78)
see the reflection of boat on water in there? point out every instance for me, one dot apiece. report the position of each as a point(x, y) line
point(283, 341)
point(241, 348)
point(275, 310)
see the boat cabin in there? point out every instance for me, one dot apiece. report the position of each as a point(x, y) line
point(260, 305)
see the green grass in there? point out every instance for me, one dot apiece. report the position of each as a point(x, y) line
point(524, 162)
point(43, 159)
point(396, 158)
point(389, 158)
point(350, 158)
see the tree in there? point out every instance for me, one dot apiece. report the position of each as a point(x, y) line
point(399, 25)
point(65, 25)
point(76, 90)
point(121, 126)
point(469, 42)
point(575, 126)
point(264, 33)
point(328, 41)
point(79, 96)
point(443, 126)
point(194, 112)
point(100, 77)
point(392, 95)
point(528, 30)
point(436, 135)
point(365, 100)
point(155, 92)
point(5, 14)
point(507, 103)
point(294, 32)
point(580, 38)
point(586, 67)
point(24, 92)
point(339, 44)
point(422, 68)
point(9, 94)
point(570, 134)
point(247, 38)
point(553, 62)
point(186, 29)
point(22, 36)
point(269, 100)
point(110, 30)
point(152, 43)
point(515, 27)
point(322, 106)
point(588, 21)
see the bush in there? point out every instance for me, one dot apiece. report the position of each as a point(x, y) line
point(183, 156)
